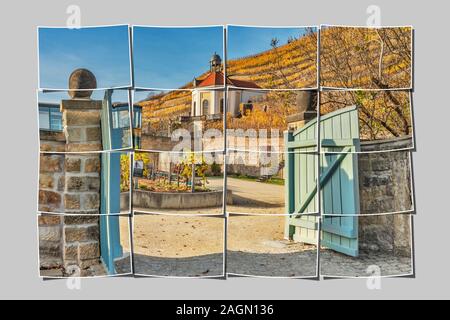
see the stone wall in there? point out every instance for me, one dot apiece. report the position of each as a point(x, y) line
point(254, 165)
point(81, 123)
point(50, 242)
point(52, 141)
point(385, 186)
point(149, 142)
point(70, 184)
point(387, 233)
point(235, 141)
point(177, 200)
point(51, 182)
point(405, 142)
point(82, 184)
point(67, 241)
point(81, 242)
point(385, 178)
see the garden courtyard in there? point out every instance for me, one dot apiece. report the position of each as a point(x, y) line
point(249, 196)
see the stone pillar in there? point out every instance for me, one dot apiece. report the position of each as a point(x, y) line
point(51, 194)
point(51, 183)
point(81, 242)
point(306, 110)
point(81, 124)
point(50, 244)
point(81, 233)
point(69, 187)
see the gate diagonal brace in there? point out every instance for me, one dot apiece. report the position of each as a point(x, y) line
point(323, 180)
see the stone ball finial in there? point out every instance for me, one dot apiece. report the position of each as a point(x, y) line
point(81, 79)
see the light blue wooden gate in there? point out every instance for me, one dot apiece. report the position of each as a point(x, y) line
point(110, 188)
point(301, 184)
point(339, 134)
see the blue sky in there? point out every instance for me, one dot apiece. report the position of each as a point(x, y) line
point(103, 50)
point(163, 57)
point(244, 41)
point(171, 57)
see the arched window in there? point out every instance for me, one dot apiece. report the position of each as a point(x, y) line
point(205, 106)
point(195, 109)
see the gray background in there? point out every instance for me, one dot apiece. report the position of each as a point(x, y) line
point(19, 138)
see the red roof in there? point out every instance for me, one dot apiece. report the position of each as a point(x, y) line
point(216, 79)
point(213, 79)
point(242, 83)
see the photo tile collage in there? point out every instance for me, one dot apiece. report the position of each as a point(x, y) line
point(225, 151)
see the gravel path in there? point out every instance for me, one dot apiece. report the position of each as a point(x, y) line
point(336, 264)
point(210, 265)
point(193, 247)
point(255, 197)
point(257, 247)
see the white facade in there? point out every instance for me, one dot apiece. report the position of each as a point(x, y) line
point(208, 102)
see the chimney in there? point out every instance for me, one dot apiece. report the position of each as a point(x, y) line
point(195, 82)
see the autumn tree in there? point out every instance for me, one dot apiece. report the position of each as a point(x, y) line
point(369, 58)
point(382, 114)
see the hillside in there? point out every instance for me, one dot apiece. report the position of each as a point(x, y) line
point(350, 57)
point(289, 66)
